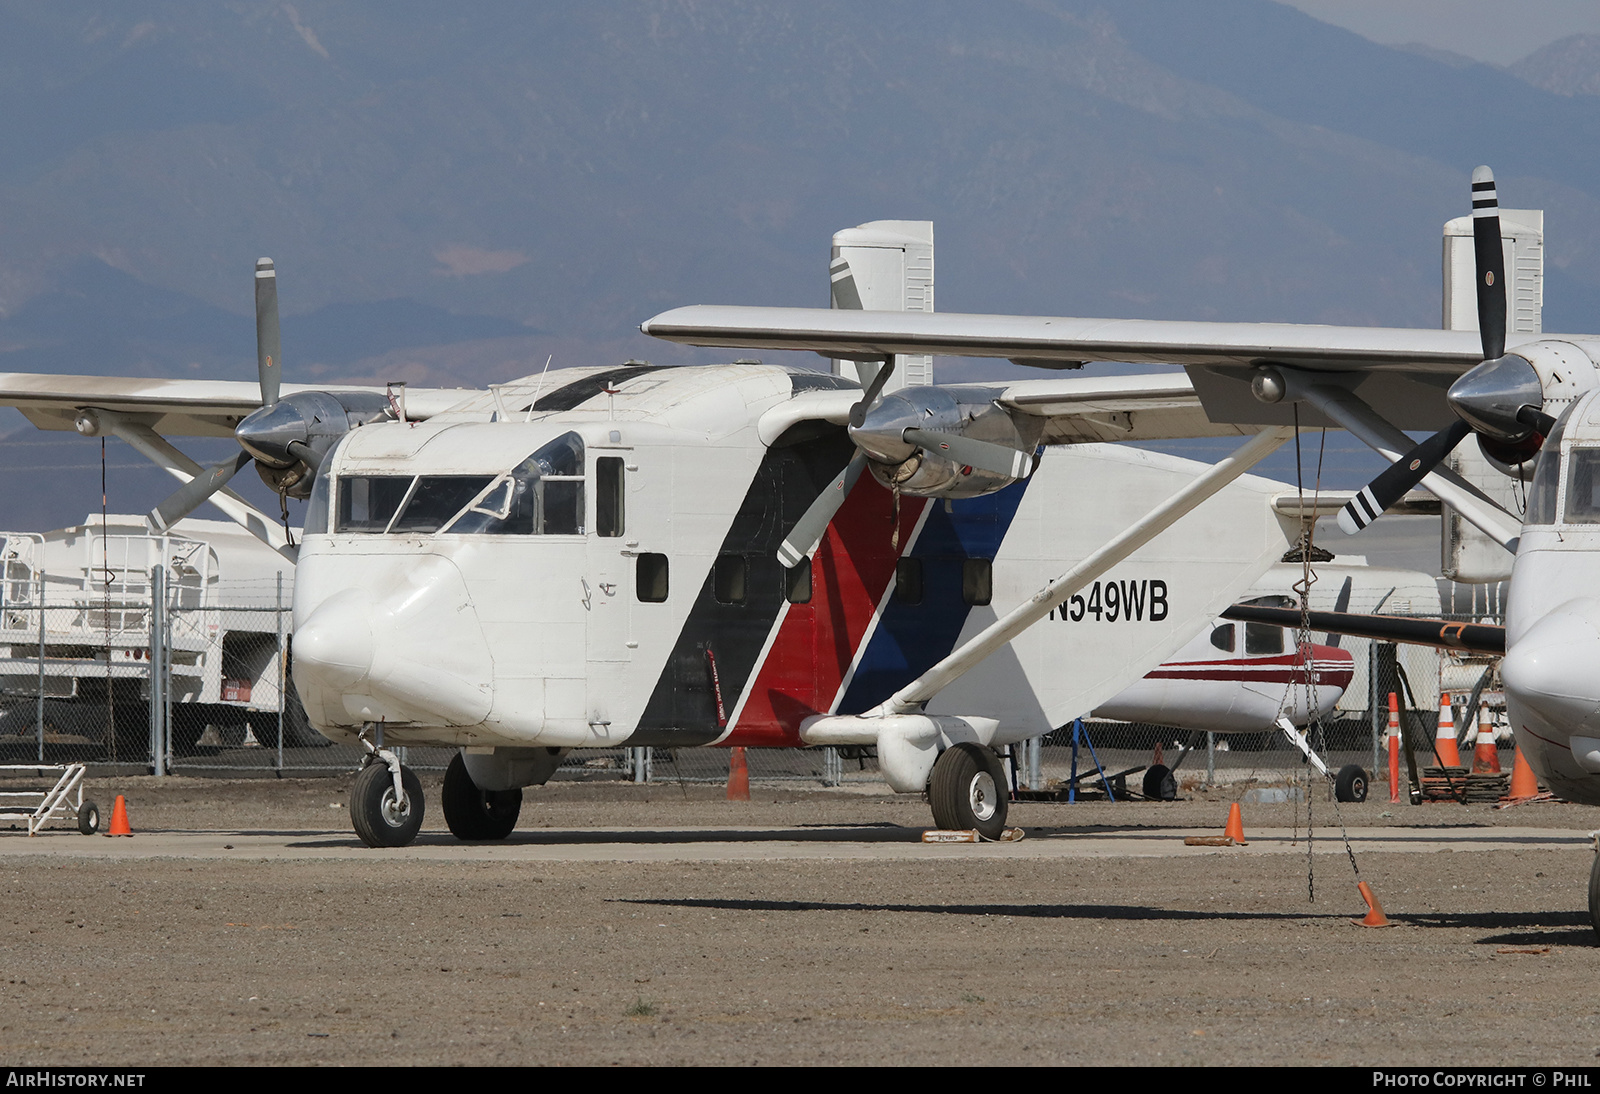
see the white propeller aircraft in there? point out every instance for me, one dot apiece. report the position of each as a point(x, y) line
point(691, 556)
point(1530, 399)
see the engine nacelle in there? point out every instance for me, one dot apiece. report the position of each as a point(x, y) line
point(290, 438)
point(1566, 370)
point(968, 412)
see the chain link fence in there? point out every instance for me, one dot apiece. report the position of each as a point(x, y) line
point(94, 676)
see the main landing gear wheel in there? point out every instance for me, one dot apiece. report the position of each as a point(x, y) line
point(474, 814)
point(1350, 785)
point(1594, 896)
point(1159, 784)
point(968, 790)
point(379, 819)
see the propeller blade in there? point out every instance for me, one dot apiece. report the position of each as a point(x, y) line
point(1401, 476)
point(1491, 262)
point(1341, 605)
point(998, 458)
point(191, 494)
point(814, 522)
point(268, 364)
point(858, 413)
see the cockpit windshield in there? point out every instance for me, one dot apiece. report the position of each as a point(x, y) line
point(542, 495)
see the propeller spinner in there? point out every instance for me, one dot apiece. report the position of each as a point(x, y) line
point(1501, 399)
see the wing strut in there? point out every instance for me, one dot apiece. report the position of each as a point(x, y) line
point(913, 696)
point(1350, 412)
point(155, 448)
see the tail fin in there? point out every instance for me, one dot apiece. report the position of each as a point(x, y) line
point(884, 265)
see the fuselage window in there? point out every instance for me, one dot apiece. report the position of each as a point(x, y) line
point(977, 580)
point(797, 582)
point(1262, 638)
point(367, 503)
point(608, 508)
point(650, 575)
point(728, 579)
point(1583, 486)
point(1222, 637)
point(908, 581)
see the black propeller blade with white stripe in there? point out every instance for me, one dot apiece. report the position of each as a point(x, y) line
point(1501, 398)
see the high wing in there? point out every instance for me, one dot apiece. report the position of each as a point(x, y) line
point(189, 408)
point(1061, 342)
point(1075, 409)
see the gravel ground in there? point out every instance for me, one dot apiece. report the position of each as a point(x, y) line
point(1213, 958)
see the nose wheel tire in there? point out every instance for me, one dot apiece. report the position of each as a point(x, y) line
point(1350, 785)
point(968, 790)
point(474, 814)
point(380, 819)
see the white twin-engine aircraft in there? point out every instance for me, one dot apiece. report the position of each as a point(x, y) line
point(691, 556)
point(1530, 399)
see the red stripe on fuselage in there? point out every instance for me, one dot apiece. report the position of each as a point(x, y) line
point(1330, 667)
point(817, 642)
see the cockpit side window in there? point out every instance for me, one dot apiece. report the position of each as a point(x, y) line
point(1583, 486)
point(543, 495)
point(1543, 490)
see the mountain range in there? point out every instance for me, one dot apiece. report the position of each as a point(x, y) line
point(452, 195)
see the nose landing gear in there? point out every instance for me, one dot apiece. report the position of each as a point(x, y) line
point(386, 803)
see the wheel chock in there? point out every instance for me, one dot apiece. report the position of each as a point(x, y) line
point(969, 835)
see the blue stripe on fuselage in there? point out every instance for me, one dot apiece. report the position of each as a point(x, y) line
point(911, 638)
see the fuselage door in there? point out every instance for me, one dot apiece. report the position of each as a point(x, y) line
point(609, 594)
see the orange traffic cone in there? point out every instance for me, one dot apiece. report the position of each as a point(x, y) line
point(1523, 783)
point(1444, 741)
point(1486, 756)
point(119, 818)
point(1374, 916)
point(1235, 826)
point(1394, 749)
point(738, 776)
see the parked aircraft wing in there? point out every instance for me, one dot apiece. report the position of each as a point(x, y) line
point(1061, 342)
point(1078, 409)
point(194, 408)
point(1474, 637)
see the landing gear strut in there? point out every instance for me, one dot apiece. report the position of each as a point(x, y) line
point(386, 802)
point(475, 814)
point(968, 790)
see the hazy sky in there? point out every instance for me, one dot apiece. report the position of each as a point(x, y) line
point(1498, 31)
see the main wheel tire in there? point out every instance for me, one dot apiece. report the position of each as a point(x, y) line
point(1350, 785)
point(89, 817)
point(968, 790)
point(475, 814)
point(378, 818)
point(1160, 784)
point(1594, 897)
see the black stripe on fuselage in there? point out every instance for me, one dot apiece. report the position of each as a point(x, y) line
point(581, 391)
point(682, 710)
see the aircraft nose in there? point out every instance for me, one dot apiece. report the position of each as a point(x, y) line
point(335, 645)
point(1550, 670)
point(268, 432)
